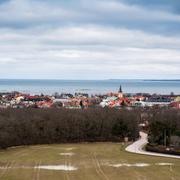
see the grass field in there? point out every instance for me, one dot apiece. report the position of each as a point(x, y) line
point(97, 161)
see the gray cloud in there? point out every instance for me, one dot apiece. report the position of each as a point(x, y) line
point(30, 13)
point(168, 5)
point(101, 39)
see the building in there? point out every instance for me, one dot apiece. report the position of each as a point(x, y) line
point(175, 105)
point(120, 92)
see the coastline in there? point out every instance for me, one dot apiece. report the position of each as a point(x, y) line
point(48, 87)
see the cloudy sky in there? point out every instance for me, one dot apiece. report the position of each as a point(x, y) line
point(90, 39)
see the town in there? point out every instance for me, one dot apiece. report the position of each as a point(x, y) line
point(116, 100)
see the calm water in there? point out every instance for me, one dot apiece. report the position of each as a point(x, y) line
point(89, 86)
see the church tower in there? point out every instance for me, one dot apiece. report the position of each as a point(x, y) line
point(120, 92)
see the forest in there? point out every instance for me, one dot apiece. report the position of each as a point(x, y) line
point(163, 125)
point(47, 126)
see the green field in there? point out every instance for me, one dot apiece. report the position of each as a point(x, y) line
point(97, 161)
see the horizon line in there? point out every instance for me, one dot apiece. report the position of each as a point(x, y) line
point(145, 79)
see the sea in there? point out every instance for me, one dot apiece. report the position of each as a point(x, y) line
point(49, 87)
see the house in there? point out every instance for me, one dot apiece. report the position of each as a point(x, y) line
point(65, 96)
point(175, 105)
point(85, 95)
point(158, 101)
point(138, 103)
point(108, 101)
point(177, 99)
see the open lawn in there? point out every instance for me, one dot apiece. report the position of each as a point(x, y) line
point(97, 161)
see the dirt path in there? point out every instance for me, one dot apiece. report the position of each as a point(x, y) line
point(5, 170)
point(35, 170)
point(137, 147)
point(98, 168)
point(66, 173)
point(38, 171)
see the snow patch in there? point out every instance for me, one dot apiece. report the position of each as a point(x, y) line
point(67, 148)
point(67, 154)
point(57, 167)
point(130, 165)
point(70, 149)
point(164, 164)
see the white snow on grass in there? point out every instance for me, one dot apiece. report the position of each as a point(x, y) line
point(67, 148)
point(138, 164)
point(57, 167)
point(70, 148)
point(164, 164)
point(141, 165)
point(67, 154)
point(129, 165)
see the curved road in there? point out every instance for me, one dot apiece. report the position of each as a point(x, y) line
point(137, 146)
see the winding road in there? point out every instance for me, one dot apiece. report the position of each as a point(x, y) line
point(137, 147)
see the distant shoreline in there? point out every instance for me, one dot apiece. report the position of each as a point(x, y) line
point(6, 79)
point(144, 79)
point(162, 80)
point(158, 86)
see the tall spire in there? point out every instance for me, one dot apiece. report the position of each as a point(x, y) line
point(120, 89)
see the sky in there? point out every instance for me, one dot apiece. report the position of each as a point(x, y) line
point(90, 39)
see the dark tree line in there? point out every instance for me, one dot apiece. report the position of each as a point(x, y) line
point(163, 125)
point(46, 126)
